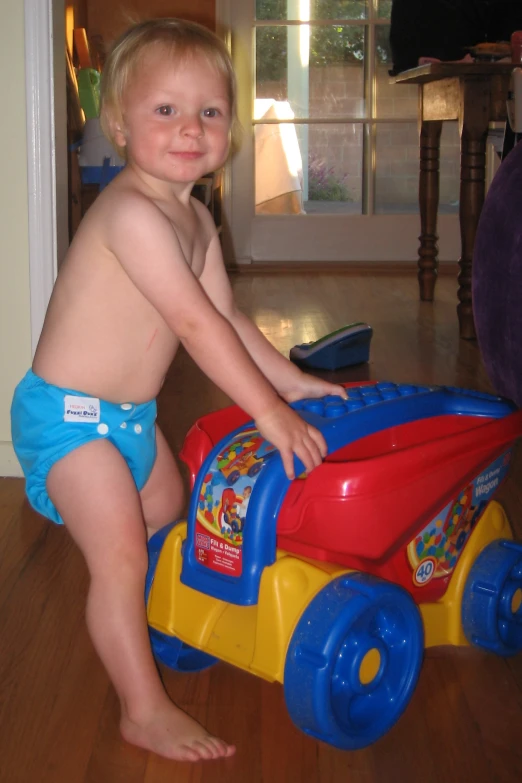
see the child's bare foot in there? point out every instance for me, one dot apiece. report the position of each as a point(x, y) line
point(175, 735)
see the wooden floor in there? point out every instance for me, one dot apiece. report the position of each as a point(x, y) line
point(58, 713)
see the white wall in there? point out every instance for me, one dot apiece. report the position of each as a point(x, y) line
point(15, 322)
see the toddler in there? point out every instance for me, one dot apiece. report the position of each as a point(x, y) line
point(143, 274)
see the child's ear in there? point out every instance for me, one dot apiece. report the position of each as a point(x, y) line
point(113, 127)
point(116, 127)
point(118, 133)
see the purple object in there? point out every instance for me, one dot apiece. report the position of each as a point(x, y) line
point(497, 279)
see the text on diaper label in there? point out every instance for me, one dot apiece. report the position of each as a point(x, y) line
point(81, 408)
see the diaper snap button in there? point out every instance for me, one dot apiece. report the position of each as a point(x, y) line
point(123, 425)
point(126, 406)
point(137, 429)
point(103, 429)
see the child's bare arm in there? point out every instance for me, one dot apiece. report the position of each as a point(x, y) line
point(146, 245)
point(290, 382)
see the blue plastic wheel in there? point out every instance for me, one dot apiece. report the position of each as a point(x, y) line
point(492, 599)
point(353, 661)
point(170, 650)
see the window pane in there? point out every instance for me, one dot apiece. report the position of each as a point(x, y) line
point(392, 100)
point(384, 9)
point(335, 169)
point(311, 9)
point(321, 73)
point(397, 168)
point(308, 168)
point(338, 9)
point(271, 9)
point(449, 170)
point(271, 62)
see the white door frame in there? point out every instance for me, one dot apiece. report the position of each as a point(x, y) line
point(238, 213)
point(46, 150)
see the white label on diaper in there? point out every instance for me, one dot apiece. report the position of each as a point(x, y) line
point(81, 408)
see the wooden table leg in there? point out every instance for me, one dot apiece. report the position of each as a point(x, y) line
point(428, 206)
point(474, 121)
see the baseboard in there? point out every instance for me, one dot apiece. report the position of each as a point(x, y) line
point(9, 465)
point(338, 267)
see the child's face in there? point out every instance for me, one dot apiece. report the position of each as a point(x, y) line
point(176, 118)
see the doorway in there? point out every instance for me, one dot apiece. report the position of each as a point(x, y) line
point(329, 165)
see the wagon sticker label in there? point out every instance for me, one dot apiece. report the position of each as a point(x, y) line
point(424, 571)
point(435, 551)
point(224, 498)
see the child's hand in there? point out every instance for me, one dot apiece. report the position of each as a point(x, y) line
point(310, 386)
point(289, 433)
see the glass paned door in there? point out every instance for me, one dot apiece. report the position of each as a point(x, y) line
point(333, 148)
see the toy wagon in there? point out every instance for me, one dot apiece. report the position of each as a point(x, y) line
point(334, 583)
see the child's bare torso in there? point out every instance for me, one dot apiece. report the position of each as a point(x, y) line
point(101, 335)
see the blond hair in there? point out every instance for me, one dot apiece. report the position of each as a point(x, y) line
point(183, 39)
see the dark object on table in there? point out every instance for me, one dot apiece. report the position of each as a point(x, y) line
point(446, 29)
point(497, 279)
point(490, 52)
point(342, 348)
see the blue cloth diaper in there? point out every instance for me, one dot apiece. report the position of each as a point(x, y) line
point(48, 422)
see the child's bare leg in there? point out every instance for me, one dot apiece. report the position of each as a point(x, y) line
point(162, 497)
point(95, 494)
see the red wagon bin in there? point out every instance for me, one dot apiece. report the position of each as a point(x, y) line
point(400, 503)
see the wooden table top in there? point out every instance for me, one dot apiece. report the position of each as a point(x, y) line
point(434, 71)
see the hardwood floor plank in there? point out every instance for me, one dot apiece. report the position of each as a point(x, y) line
point(52, 684)
point(18, 531)
point(453, 730)
point(112, 759)
point(495, 703)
